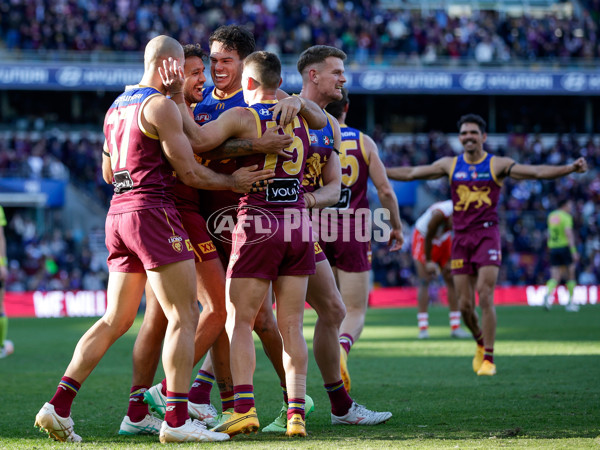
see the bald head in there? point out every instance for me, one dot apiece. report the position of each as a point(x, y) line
point(161, 48)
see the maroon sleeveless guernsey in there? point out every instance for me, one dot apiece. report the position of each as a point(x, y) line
point(355, 170)
point(475, 193)
point(142, 175)
point(285, 191)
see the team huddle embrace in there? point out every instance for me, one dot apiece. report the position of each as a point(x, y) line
point(215, 190)
point(179, 155)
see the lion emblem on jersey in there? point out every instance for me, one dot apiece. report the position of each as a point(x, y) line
point(312, 170)
point(476, 196)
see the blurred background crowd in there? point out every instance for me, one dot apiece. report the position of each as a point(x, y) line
point(370, 31)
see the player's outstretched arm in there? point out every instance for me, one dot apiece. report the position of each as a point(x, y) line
point(385, 192)
point(507, 167)
point(289, 107)
point(437, 169)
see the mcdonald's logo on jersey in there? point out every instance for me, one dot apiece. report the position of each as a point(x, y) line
point(220, 105)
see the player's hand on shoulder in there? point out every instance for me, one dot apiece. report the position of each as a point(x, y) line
point(171, 74)
point(580, 165)
point(249, 179)
point(273, 142)
point(286, 109)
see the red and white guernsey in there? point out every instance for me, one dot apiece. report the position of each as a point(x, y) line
point(422, 223)
point(142, 176)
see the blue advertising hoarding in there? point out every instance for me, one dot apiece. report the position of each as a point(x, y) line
point(46, 192)
point(114, 77)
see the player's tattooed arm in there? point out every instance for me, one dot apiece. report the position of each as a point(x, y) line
point(270, 142)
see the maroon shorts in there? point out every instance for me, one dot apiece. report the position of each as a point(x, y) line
point(474, 249)
point(319, 253)
point(220, 226)
point(285, 252)
point(202, 245)
point(145, 239)
point(352, 256)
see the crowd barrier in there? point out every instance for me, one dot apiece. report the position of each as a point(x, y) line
point(93, 303)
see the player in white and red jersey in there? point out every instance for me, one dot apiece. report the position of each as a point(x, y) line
point(431, 245)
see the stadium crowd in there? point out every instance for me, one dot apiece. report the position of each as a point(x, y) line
point(55, 155)
point(64, 261)
point(59, 260)
point(365, 30)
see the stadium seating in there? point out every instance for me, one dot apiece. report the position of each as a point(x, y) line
point(369, 31)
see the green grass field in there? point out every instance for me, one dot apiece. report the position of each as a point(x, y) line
point(546, 393)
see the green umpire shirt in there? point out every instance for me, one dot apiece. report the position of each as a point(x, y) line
point(558, 222)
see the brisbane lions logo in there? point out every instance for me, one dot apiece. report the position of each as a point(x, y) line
point(476, 196)
point(177, 243)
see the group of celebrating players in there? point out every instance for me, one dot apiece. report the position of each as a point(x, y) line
point(280, 153)
point(179, 155)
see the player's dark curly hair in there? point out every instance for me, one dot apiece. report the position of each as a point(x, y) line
point(336, 109)
point(234, 37)
point(472, 118)
point(194, 50)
